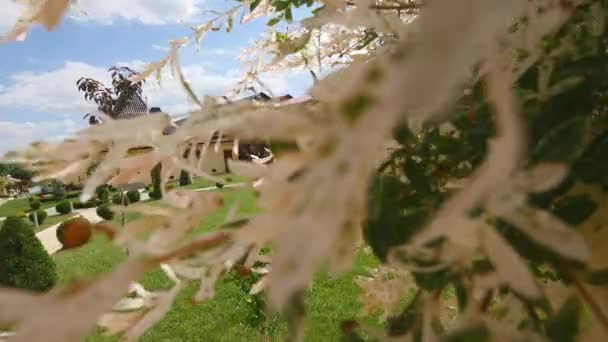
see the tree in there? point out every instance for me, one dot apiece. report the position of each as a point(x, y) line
point(25, 263)
point(110, 100)
point(184, 178)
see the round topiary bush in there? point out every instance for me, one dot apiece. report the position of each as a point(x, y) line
point(74, 232)
point(219, 185)
point(64, 207)
point(41, 216)
point(34, 202)
point(105, 212)
point(25, 264)
point(133, 196)
point(21, 214)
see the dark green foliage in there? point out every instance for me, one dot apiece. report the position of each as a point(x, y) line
point(118, 199)
point(16, 171)
point(25, 264)
point(58, 190)
point(564, 143)
point(386, 225)
point(64, 207)
point(92, 203)
point(41, 216)
point(564, 325)
point(156, 192)
point(574, 209)
point(184, 178)
point(133, 196)
point(219, 185)
point(103, 194)
point(105, 212)
point(34, 202)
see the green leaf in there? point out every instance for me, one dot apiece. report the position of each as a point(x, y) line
point(288, 15)
point(574, 209)
point(281, 5)
point(229, 23)
point(273, 21)
point(404, 135)
point(461, 294)
point(474, 334)
point(417, 177)
point(387, 226)
point(564, 325)
point(564, 143)
point(254, 5)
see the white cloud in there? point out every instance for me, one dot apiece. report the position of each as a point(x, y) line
point(17, 135)
point(149, 12)
point(10, 14)
point(51, 91)
point(55, 91)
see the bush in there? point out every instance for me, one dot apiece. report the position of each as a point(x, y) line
point(64, 207)
point(105, 212)
point(184, 178)
point(72, 194)
point(156, 193)
point(25, 264)
point(74, 232)
point(21, 214)
point(117, 199)
point(219, 185)
point(92, 203)
point(103, 194)
point(41, 216)
point(133, 196)
point(34, 202)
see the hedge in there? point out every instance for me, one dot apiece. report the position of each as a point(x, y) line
point(25, 264)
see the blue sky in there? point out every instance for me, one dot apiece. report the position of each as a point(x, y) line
point(38, 97)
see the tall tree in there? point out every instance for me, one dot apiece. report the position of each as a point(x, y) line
point(110, 100)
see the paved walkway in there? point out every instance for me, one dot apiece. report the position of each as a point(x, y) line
point(48, 237)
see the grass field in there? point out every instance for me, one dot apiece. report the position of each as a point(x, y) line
point(227, 317)
point(21, 204)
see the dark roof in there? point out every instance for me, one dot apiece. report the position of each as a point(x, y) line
point(134, 108)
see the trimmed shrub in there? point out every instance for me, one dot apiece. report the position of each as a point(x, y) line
point(25, 264)
point(133, 196)
point(72, 194)
point(184, 178)
point(41, 216)
point(34, 202)
point(64, 207)
point(74, 232)
point(21, 214)
point(103, 194)
point(219, 185)
point(105, 212)
point(92, 203)
point(117, 199)
point(156, 193)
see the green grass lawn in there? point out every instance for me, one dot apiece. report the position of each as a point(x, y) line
point(199, 182)
point(14, 206)
point(228, 316)
point(51, 221)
